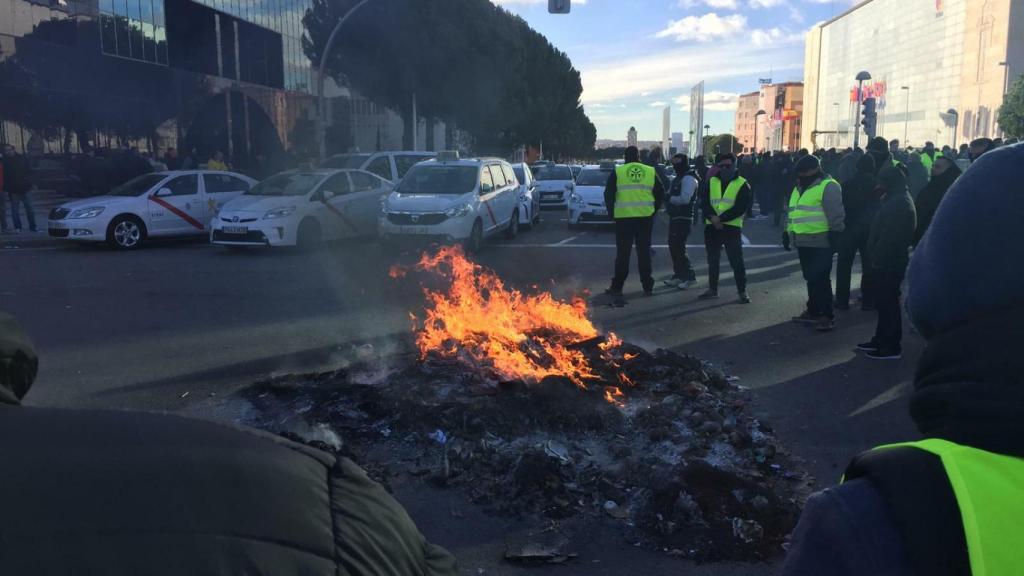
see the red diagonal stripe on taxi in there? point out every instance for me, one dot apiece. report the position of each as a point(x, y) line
point(177, 212)
point(341, 215)
point(491, 212)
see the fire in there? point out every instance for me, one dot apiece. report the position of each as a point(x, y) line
point(613, 395)
point(518, 336)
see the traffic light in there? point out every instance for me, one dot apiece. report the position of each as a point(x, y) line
point(870, 120)
point(559, 6)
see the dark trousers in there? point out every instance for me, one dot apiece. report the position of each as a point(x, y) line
point(732, 238)
point(816, 264)
point(854, 240)
point(678, 232)
point(25, 199)
point(3, 211)
point(630, 231)
point(885, 286)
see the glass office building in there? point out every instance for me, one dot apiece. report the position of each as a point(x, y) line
point(208, 74)
point(926, 58)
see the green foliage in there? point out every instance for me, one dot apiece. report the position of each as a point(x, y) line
point(468, 62)
point(1011, 113)
point(723, 141)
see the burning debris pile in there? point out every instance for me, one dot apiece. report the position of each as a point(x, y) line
point(519, 401)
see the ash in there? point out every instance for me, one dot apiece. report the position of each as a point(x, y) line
point(675, 460)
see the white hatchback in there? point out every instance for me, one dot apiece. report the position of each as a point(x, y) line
point(555, 184)
point(170, 203)
point(302, 208)
point(586, 202)
point(452, 200)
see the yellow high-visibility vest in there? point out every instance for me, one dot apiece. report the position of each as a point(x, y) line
point(722, 201)
point(634, 190)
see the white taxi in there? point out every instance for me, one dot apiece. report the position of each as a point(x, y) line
point(586, 202)
point(302, 208)
point(169, 203)
point(554, 184)
point(452, 200)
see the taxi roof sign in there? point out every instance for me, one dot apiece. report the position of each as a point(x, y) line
point(448, 156)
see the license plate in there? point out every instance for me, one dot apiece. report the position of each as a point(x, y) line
point(236, 229)
point(413, 230)
point(551, 195)
point(600, 212)
point(57, 225)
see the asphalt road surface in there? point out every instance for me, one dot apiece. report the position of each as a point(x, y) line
point(179, 325)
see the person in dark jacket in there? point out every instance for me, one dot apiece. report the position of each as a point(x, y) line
point(944, 173)
point(4, 229)
point(917, 175)
point(898, 512)
point(655, 158)
point(860, 204)
point(681, 206)
point(892, 233)
point(125, 493)
point(18, 184)
point(723, 225)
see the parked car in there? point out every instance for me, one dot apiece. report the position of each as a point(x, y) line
point(555, 183)
point(586, 202)
point(452, 200)
point(390, 166)
point(529, 198)
point(576, 168)
point(171, 203)
point(302, 208)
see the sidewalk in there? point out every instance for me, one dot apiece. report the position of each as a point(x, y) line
point(42, 202)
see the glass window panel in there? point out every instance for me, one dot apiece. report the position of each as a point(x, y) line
point(158, 13)
point(161, 45)
point(121, 7)
point(149, 41)
point(107, 6)
point(121, 31)
point(107, 36)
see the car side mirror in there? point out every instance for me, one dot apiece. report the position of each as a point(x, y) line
point(164, 192)
point(328, 194)
point(486, 188)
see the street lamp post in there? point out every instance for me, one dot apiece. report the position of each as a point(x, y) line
point(906, 116)
point(693, 149)
point(706, 137)
point(861, 77)
point(321, 125)
point(956, 123)
point(756, 116)
point(835, 136)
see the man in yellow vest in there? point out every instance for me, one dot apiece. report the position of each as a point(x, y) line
point(815, 219)
point(725, 201)
point(928, 156)
point(950, 504)
point(632, 195)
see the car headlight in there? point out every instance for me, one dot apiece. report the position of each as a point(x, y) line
point(90, 212)
point(458, 211)
point(279, 212)
point(574, 197)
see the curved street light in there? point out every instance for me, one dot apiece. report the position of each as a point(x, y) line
point(321, 126)
point(956, 123)
point(756, 116)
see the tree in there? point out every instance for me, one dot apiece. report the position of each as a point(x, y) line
point(1011, 113)
point(722, 141)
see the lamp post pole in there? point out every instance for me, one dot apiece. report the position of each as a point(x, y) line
point(956, 123)
point(321, 125)
point(906, 116)
point(861, 77)
point(756, 117)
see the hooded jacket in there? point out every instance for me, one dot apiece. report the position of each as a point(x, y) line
point(892, 230)
point(927, 202)
point(126, 493)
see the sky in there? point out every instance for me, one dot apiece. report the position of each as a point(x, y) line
point(637, 56)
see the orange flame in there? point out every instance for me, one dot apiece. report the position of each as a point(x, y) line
point(518, 336)
point(396, 272)
point(613, 395)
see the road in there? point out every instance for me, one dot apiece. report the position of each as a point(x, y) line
point(181, 324)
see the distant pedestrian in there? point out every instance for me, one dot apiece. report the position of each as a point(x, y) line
point(655, 160)
point(892, 233)
point(928, 155)
point(725, 199)
point(860, 203)
point(815, 221)
point(217, 162)
point(681, 206)
point(979, 147)
point(632, 195)
point(917, 175)
point(171, 159)
point(18, 184)
point(944, 174)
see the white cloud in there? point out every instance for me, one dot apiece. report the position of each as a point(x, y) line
point(658, 104)
point(765, 3)
point(715, 100)
point(763, 37)
point(704, 28)
point(725, 4)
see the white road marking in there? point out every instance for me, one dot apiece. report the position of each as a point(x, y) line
point(567, 240)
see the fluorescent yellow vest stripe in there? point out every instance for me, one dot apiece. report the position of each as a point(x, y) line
point(806, 213)
point(722, 202)
point(634, 190)
point(989, 491)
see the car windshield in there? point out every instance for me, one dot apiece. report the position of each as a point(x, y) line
point(519, 173)
point(287, 184)
point(439, 179)
point(137, 186)
point(346, 161)
point(593, 178)
point(554, 173)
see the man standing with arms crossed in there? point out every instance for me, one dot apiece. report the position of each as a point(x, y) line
point(725, 201)
point(632, 195)
point(681, 205)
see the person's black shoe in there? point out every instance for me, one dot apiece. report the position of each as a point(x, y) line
point(649, 291)
point(709, 295)
point(841, 305)
point(867, 346)
point(826, 324)
point(744, 299)
point(885, 354)
point(807, 318)
point(673, 281)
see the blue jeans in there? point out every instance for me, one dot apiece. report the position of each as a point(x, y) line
point(24, 198)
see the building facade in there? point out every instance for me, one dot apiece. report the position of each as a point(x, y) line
point(743, 126)
point(925, 58)
point(631, 136)
point(778, 129)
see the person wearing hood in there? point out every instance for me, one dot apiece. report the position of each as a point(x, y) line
point(814, 221)
point(121, 493)
point(978, 147)
point(878, 149)
point(892, 233)
point(944, 173)
point(681, 205)
point(725, 200)
point(949, 504)
point(917, 176)
point(860, 205)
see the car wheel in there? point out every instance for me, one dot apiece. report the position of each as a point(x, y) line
point(308, 237)
point(513, 225)
point(126, 232)
point(476, 238)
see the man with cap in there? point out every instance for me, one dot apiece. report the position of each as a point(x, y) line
point(815, 219)
point(632, 195)
point(950, 504)
point(724, 202)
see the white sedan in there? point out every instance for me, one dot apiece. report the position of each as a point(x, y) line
point(302, 208)
point(586, 203)
point(170, 203)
